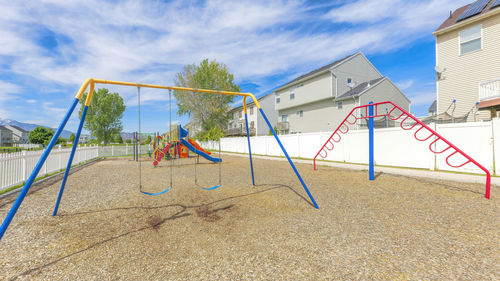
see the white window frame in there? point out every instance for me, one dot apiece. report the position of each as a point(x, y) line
point(300, 113)
point(292, 93)
point(460, 40)
point(284, 118)
point(278, 98)
point(251, 110)
point(339, 105)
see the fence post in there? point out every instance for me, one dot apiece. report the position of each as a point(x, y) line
point(126, 149)
point(370, 132)
point(25, 166)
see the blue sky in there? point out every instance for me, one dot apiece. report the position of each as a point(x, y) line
point(48, 48)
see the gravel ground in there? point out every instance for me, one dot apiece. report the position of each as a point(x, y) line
point(395, 228)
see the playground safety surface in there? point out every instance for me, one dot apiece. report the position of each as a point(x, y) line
point(397, 228)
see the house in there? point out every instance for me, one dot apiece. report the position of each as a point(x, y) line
point(84, 138)
point(321, 99)
point(468, 62)
point(6, 138)
point(256, 123)
point(192, 128)
point(19, 135)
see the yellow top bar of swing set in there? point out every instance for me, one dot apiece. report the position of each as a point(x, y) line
point(93, 81)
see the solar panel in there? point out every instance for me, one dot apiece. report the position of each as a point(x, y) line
point(474, 9)
point(495, 4)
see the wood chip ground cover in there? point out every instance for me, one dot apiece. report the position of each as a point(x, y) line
point(395, 228)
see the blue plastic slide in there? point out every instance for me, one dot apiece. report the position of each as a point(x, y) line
point(199, 152)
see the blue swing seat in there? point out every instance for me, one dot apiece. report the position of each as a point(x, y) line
point(158, 193)
point(210, 188)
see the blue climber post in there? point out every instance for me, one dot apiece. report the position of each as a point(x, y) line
point(73, 150)
point(35, 172)
point(289, 160)
point(249, 149)
point(370, 133)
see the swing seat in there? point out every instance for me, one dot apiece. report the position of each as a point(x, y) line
point(153, 194)
point(210, 188)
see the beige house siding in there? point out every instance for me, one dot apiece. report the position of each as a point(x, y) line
point(462, 73)
point(316, 88)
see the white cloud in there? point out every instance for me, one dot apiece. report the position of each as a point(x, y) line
point(422, 99)
point(403, 85)
point(150, 41)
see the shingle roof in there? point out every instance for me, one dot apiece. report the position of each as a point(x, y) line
point(321, 69)
point(18, 128)
point(452, 19)
point(3, 128)
point(356, 91)
point(433, 106)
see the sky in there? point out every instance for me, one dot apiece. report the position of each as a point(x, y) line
point(49, 47)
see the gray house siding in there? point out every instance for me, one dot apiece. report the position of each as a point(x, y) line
point(385, 91)
point(316, 117)
point(316, 88)
point(267, 104)
point(358, 68)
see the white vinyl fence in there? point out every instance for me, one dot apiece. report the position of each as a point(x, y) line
point(393, 146)
point(15, 168)
point(122, 150)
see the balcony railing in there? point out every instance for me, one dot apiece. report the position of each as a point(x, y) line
point(239, 132)
point(489, 90)
point(283, 126)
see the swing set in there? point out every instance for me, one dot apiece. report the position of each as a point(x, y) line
point(90, 83)
point(172, 144)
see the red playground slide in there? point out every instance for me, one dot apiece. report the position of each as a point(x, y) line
point(195, 144)
point(160, 154)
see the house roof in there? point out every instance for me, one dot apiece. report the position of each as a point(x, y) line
point(453, 18)
point(316, 71)
point(433, 106)
point(3, 128)
point(358, 90)
point(18, 128)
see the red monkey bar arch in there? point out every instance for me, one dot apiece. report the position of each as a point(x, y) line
point(351, 119)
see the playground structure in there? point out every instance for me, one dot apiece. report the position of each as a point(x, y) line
point(90, 84)
point(388, 108)
point(178, 145)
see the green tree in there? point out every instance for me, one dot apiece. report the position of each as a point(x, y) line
point(118, 138)
point(72, 137)
point(104, 115)
point(41, 135)
point(128, 141)
point(148, 140)
point(205, 109)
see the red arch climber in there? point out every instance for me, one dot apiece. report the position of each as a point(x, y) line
point(351, 119)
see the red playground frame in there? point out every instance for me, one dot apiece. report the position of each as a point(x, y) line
point(351, 119)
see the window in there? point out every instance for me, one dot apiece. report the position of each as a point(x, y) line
point(277, 98)
point(241, 113)
point(339, 105)
point(251, 110)
point(349, 80)
point(284, 118)
point(252, 124)
point(292, 93)
point(300, 113)
point(470, 39)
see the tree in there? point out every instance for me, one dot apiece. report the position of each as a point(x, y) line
point(72, 137)
point(41, 135)
point(118, 139)
point(128, 141)
point(104, 115)
point(206, 110)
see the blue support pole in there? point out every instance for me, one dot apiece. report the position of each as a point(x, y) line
point(289, 160)
point(33, 175)
point(70, 161)
point(370, 134)
point(249, 149)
